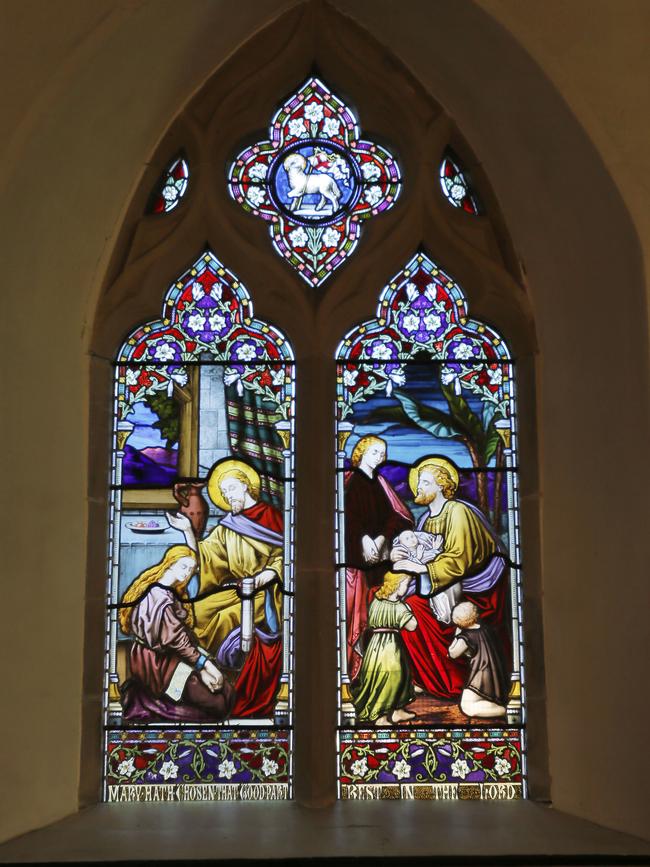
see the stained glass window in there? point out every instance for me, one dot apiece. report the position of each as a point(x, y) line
point(430, 662)
point(315, 181)
point(198, 687)
point(170, 188)
point(456, 185)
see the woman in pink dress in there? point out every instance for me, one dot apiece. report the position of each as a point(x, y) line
point(172, 677)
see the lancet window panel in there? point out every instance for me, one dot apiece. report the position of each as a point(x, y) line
point(199, 629)
point(428, 550)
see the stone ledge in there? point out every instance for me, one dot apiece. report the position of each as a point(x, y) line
point(517, 832)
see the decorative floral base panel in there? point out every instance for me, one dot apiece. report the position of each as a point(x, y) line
point(431, 764)
point(198, 765)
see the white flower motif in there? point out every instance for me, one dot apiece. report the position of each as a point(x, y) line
point(258, 171)
point(431, 291)
point(457, 192)
point(314, 112)
point(198, 291)
point(411, 291)
point(331, 127)
point(350, 377)
point(131, 378)
point(495, 376)
point(164, 352)
point(217, 322)
point(432, 321)
point(411, 323)
point(126, 768)
point(502, 766)
point(196, 322)
point(401, 769)
point(269, 767)
point(246, 352)
point(277, 376)
point(463, 350)
point(447, 376)
point(360, 767)
point(298, 237)
point(256, 196)
point(398, 377)
point(371, 171)
point(180, 377)
point(216, 292)
point(297, 127)
point(460, 768)
point(169, 771)
point(331, 237)
point(227, 769)
point(170, 193)
point(373, 195)
point(230, 376)
point(381, 350)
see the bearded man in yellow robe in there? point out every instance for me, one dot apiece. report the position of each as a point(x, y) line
point(471, 561)
point(246, 543)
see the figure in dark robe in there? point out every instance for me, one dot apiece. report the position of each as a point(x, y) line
point(374, 515)
point(486, 691)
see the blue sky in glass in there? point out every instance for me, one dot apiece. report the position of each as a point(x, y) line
point(405, 444)
point(144, 435)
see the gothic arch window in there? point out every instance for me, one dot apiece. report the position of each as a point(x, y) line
point(430, 675)
point(201, 366)
point(199, 622)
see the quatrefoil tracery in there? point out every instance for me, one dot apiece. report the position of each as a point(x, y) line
point(314, 181)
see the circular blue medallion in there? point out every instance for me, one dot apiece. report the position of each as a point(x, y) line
point(314, 182)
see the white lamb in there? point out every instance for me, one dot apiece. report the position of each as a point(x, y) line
point(305, 185)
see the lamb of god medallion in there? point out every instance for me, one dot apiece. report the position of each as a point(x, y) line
point(315, 181)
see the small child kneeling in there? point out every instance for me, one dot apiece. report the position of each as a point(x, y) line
point(384, 685)
point(486, 691)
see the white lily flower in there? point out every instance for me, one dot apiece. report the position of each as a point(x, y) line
point(331, 127)
point(411, 292)
point(258, 171)
point(227, 769)
point(401, 769)
point(373, 195)
point(169, 770)
point(460, 768)
point(314, 112)
point(360, 767)
point(269, 767)
point(126, 768)
point(297, 127)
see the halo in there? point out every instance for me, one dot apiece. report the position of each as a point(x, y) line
point(433, 461)
point(225, 468)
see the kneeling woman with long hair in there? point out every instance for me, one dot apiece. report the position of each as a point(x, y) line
point(172, 676)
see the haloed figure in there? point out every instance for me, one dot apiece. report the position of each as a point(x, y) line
point(172, 677)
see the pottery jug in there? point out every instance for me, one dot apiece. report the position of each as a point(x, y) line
point(190, 499)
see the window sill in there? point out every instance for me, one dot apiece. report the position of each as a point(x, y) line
point(519, 832)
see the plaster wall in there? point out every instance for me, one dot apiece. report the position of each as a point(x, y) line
point(90, 94)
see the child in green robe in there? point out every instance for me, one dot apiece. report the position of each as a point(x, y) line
point(384, 685)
